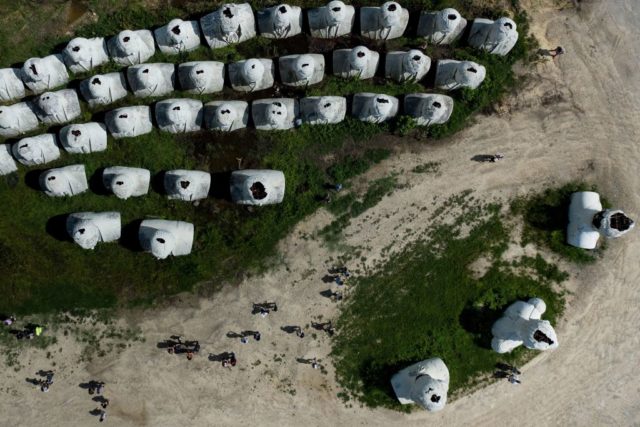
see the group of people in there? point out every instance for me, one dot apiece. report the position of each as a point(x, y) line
point(97, 388)
point(29, 332)
point(45, 382)
point(264, 308)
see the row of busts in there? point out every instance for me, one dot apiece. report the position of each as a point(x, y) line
point(160, 237)
point(233, 23)
point(247, 187)
point(189, 115)
point(148, 80)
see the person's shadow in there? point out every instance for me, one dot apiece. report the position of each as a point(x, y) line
point(219, 357)
point(289, 329)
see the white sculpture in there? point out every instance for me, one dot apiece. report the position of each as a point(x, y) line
point(320, 110)
point(425, 383)
point(441, 27)
point(201, 77)
point(374, 108)
point(275, 113)
point(148, 80)
point(251, 75)
point(187, 185)
point(42, 74)
point(179, 115)
point(131, 47)
point(82, 55)
point(451, 74)
point(280, 22)
point(17, 119)
point(126, 182)
point(163, 238)
point(588, 221)
point(36, 150)
point(497, 37)
point(178, 36)
point(331, 21)
point(231, 24)
point(428, 108)
point(84, 138)
point(358, 62)
point(7, 164)
point(128, 122)
point(58, 107)
point(88, 229)
point(385, 22)
point(257, 187)
point(406, 66)
point(103, 89)
point(11, 86)
point(226, 116)
point(64, 181)
point(520, 325)
point(301, 70)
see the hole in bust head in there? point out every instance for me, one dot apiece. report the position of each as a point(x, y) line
point(436, 104)
point(32, 67)
point(160, 240)
point(81, 231)
point(76, 132)
point(44, 98)
point(76, 48)
point(327, 105)
point(24, 146)
point(360, 54)
point(304, 65)
point(416, 58)
point(452, 17)
point(185, 184)
point(126, 39)
point(282, 9)
point(123, 116)
point(227, 12)
point(119, 182)
point(51, 178)
point(539, 336)
point(199, 71)
point(96, 81)
point(176, 30)
point(145, 71)
point(472, 70)
point(258, 191)
point(508, 25)
point(435, 398)
point(382, 101)
point(392, 7)
point(277, 104)
point(253, 66)
point(336, 9)
point(176, 108)
point(225, 111)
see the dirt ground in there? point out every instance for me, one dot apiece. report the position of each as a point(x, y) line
point(577, 118)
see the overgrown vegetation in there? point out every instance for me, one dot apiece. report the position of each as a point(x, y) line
point(546, 217)
point(43, 271)
point(429, 301)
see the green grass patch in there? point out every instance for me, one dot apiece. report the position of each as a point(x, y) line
point(427, 302)
point(546, 218)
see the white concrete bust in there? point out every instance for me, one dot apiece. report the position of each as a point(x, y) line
point(42, 74)
point(331, 21)
point(230, 24)
point(179, 115)
point(84, 138)
point(126, 182)
point(131, 47)
point(65, 181)
point(87, 229)
point(280, 22)
point(104, 89)
point(36, 150)
point(82, 55)
point(127, 122)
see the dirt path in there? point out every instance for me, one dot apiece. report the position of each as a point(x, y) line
point(577, 119)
